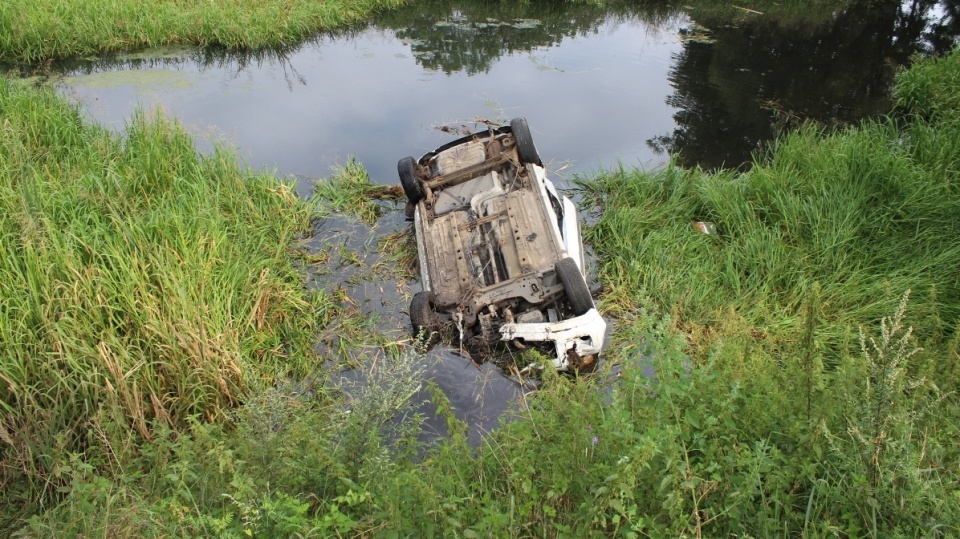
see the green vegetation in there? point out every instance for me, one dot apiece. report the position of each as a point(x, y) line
point(925, 91)
point(158, 373)
point(351, 192)
point(848, 220)
point(802, 421)
point(34, 31)
point(142, 287)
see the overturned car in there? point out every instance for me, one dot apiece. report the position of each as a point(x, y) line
point(500, 252)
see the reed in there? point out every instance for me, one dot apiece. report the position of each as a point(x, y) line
point(866, 213)
point(140, 284)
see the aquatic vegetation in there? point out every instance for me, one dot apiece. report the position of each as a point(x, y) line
point(349, 191)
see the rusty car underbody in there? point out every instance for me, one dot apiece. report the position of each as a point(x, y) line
point(500, 251)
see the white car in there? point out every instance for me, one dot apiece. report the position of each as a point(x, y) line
point(500, 251)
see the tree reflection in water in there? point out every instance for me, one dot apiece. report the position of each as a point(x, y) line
point(757, 73)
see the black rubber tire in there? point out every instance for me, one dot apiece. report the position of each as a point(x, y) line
point(407, 168)
point(574, 285)
point(525, 148)
point(422, 315)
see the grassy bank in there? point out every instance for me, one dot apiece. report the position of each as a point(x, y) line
point(155, 332)
point(33, 32)
point(141, 287)
point(799, 390)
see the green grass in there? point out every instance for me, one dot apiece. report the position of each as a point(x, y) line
point(140, 285)
point(349, 191)
point(33, 32)
point(157, 339)
point(926, 89)
point(862, 214)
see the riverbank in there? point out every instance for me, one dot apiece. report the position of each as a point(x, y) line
point(143, 287)
point(33, 32)
point(156, 331)
point(799, 389)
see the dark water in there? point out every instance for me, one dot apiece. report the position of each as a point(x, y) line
point(599, 85)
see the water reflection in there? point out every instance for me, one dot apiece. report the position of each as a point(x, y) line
point(733, 91)
point(453, 37)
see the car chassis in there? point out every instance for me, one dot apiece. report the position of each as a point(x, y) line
point(500, 251)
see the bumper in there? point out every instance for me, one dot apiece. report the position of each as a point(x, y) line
point(582, 336)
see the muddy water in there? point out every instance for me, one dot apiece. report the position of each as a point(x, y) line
point(478, 394)
point(599, 85)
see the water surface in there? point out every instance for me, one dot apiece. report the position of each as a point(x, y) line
point(600, 85)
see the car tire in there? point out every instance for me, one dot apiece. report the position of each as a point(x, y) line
point(407, 168)
point(422, 315)
point(525, 148)
point(574, 285)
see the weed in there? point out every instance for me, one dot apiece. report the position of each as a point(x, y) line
point(350, 192)
point(139, 279)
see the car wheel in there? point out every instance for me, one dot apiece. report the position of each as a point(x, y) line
point(574, 285)
point(525, 148)
point(422, 315)
point(407, 168)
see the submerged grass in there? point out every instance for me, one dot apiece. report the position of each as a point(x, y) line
point(140, 285)
point(34, 31)
point(349, 191)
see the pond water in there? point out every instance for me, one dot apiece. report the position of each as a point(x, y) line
point(599, 85)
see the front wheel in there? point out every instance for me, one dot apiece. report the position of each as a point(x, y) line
point(422, 315)
point(407, 168)
point(574, 285)
point(525, 148)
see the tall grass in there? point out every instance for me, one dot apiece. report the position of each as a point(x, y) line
point(34, 31)
point(774, 380)
point(140, 285)
point(928, 89)
point(863, 214)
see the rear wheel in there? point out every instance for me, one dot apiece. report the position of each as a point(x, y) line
point(574, 285)
point(521, 135)
point(422, 315)
point(407, 168)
